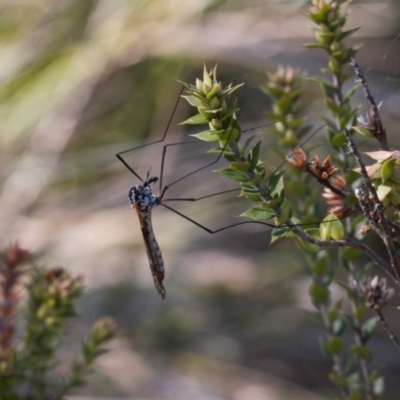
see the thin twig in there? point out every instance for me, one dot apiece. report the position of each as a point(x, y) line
point(380, 262)
point(385, 235)
point(390, 333)
point(359, 338)
point(337, 366)
point(374, 117)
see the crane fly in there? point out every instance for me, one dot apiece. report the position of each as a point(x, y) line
point(143, 200)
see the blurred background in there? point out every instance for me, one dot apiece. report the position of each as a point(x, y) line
point(82, 80)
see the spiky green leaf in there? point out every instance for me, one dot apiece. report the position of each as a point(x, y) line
point(362, 131)
point(240, 166)
point(194, 101)
point(235, 175)
point(254, 155)
point(387, 169)
point(260, 213)
point(197, 119)
point(207, 136)
point(331, 228)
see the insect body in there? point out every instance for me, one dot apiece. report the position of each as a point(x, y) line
point(143, 200)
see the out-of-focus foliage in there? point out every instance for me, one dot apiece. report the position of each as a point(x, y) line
point(27, 368)
point(81, 80)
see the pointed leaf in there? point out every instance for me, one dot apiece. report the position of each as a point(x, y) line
point(379, 155)
point(313, 46)
point(331, 228)
point(347, 33)
point(195, 120)
point(240, 166)
point(275, 184)
point(254, 155)
point(382, 191)
point(194, 101)
point(237, 176)
point(325, 231)
point(387, 168)
point(206, 136)
point(335, 108)
point(319, 80)
point(311, 248)
point(252, 195)
point(260, 213)
point(218, 150)
point(363, 131)
point(248, 142)
point(230, 90)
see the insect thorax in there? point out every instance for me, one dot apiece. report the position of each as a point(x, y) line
point(142, 195)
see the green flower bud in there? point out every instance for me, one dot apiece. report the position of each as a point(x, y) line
point(202, 111)
point(214, 91)
point(199, 85)
point(217, 124)
point(333, 65)
point(205, 88)
point(103, 330)
point(207, 81)
point(215, 103)
point(335, 46)
point(224, 107)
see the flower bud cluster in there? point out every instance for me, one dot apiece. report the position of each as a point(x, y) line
point(376, 292)
point(322, 171)
point(284, 89)
point(214, 107)
point(330, 17)
point(10, 275)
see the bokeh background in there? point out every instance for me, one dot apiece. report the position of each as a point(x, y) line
point(81, 80)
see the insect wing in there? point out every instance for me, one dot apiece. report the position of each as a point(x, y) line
point(153, 251)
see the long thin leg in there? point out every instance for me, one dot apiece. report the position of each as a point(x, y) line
point(213, 162)
point(190, 173)
point(234, 190)
point(210, 163)
point(204, 166)
point(119, 155)
point(300, 145)
point(202, 197)
point(211, 232)
point(201, 168)
point(163, 190)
